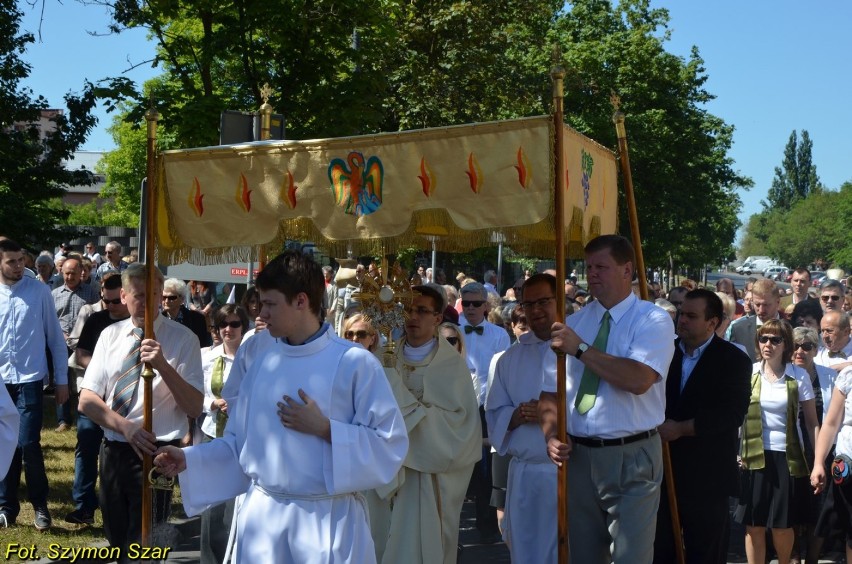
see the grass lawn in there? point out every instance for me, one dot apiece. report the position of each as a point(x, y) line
point(58, 451)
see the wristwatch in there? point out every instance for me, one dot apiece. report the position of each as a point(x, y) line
point(581, 348)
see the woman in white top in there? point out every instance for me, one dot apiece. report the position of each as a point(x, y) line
point(775, 489)
point(230, 322)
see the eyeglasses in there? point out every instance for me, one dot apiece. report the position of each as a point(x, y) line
point(538, 303)
point(420, 311)
point(359, 334)
point(170, 298)
point(774, 339)
point(826, 299)
point(116, 301)
point(452, 340)
point(804, 346)
point(472, 303)
point(231, 324)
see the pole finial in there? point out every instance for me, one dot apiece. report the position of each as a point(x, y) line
point(266, 92)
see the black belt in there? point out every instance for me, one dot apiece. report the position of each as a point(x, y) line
point(596, 443)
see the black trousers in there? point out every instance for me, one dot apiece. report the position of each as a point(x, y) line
point(480, 487)
point(120, 495)
point(706, 525)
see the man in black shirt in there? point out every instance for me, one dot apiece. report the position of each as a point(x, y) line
point(89, 434)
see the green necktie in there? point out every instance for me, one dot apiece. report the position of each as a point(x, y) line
point(588, 391)
point(217, 382)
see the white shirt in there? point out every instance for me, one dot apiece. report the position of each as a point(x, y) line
point(689, 361)
point(844, 437)
point(481, 348)
point(180, 348)
point(208, 360)
point(823, 359)
point(639, 331)
point(773, 404)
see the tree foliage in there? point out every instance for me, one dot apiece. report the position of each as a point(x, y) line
point(812, 231)
point(342, 67)
point(796, 178)
point(33, 176)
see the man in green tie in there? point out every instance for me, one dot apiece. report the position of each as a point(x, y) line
point(618, 349)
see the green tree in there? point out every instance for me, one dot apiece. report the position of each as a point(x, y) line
point(796, 178)
point(685, 184)
point(32, 175)
point(390, 64)
point(809, 232)
point(841, 253)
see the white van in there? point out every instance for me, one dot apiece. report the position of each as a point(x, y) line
point(748, 266)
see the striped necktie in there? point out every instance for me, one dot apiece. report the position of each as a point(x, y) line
point(131, 369)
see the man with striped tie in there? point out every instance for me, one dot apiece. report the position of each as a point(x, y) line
point(112, 397)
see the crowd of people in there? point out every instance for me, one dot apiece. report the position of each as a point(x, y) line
point(298, 439)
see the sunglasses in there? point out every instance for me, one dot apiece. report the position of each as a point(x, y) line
point(452, 340)
point(472, 303)
point(774, 339)
point(170, 298)
point(359, 334)
point(804, 346)
point(826, 299)
point(116, 301)
point(231, 324)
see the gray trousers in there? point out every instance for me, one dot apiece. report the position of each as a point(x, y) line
point(613, 496)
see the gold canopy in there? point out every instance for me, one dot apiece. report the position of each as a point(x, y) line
point(466, 185)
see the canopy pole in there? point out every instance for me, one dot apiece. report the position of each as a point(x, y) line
point(265, 135)
point(557, 75)
point(624, 158)
point(152, 117)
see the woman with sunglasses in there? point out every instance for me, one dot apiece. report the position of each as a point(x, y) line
point(231, 322)
point(775, 490)
point(450, 332)
point(805, 346)
point(359, 330)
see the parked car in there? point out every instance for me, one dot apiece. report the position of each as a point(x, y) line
point(776, 272)
point(818, 277)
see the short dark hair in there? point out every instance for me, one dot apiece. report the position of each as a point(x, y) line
point(432, 292)
point(806, 308)
point(9, 246)
point(293, 273)
point(802, 270)
point(539, 278)
point(712, 303)
point(230, 309)
point(111, 281)
point(619, 248)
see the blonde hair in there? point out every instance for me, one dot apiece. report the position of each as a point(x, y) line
point(460, 334)
point(359, 318)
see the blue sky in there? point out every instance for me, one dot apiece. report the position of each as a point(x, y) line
point(774, 66)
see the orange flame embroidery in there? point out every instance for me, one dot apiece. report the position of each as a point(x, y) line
point(474, 174)
point(243, 194)
point(427, 178)
point(196, 198)
point(524, 169)
point(288, 190)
